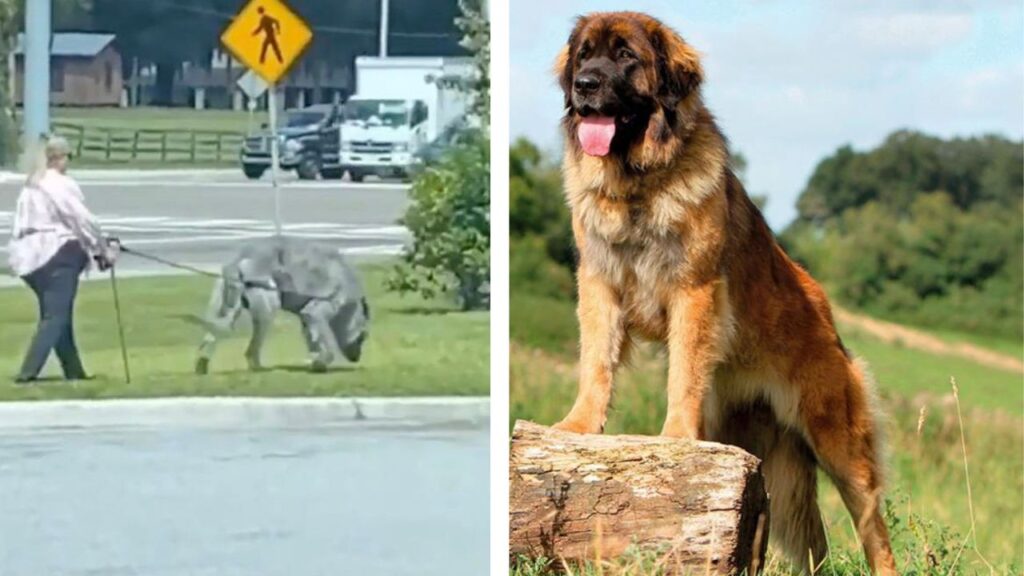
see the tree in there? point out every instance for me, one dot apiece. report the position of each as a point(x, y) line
point(153, 33)
point(968, 170)
point(536, 203)
point(450, 212)
point(8, 33)
point(920, 229)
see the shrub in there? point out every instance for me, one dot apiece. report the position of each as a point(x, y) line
point(450, 222)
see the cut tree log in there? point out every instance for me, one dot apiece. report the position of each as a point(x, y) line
point(696, 506)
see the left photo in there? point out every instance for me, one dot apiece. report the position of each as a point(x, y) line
point(244, 308)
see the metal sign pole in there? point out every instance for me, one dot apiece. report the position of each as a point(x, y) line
point(272, 102)
point(384, 10)
point(251, 105)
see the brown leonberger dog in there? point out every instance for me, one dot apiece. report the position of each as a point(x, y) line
point(673, 250)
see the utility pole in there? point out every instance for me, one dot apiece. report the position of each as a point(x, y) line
point(384, 28)
point(12, 81)
point(37, 69)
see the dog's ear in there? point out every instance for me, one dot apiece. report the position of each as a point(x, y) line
point(563, 70)
point(679, 69)
point(563, 62)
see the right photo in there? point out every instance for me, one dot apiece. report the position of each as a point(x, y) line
point(766, 288)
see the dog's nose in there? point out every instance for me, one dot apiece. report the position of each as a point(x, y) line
point(587, 83)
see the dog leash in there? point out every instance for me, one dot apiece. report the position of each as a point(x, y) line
point(207, 273)
point(170, 263)
point(194, 270)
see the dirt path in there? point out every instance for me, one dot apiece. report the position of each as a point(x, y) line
point(889, 332)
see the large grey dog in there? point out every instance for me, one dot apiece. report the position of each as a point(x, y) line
point(309, 279)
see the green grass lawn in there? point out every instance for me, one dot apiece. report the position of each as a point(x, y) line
point(153, 118)
point(415, 347)
point(927, 484)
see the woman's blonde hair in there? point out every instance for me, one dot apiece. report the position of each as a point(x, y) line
point(41, 154)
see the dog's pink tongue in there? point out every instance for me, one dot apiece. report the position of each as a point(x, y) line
point(596, 133)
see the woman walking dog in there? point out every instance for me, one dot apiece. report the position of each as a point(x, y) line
point(52, 239)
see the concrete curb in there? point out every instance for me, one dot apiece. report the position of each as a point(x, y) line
point(226, 412)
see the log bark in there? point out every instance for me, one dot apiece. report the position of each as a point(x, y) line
point(692, 505)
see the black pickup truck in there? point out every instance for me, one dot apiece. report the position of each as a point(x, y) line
point(309, 141)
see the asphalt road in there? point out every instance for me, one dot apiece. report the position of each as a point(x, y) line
point(201, 218)
point(317, 501)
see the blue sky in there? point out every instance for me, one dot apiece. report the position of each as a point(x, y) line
point(790, 81)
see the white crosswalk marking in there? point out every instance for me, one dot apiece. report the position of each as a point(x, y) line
point(166, 230)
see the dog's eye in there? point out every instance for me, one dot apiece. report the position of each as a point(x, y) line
point(626, 54)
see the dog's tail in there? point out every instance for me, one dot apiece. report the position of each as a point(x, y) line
point(791, 479)
point(790, 472)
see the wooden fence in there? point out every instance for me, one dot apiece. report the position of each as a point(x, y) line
point(117, 145)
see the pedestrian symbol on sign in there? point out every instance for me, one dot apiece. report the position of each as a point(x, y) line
point(268, 37)
point(270, 29)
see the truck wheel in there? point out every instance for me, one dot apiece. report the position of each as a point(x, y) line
point(253, 172)
point(332, 173)
point(356, 176)
point(307, 169)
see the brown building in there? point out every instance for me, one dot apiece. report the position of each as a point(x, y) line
point(85, 70)
point(213, 86)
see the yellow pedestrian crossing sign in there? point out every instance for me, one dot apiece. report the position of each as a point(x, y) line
point(267, 37)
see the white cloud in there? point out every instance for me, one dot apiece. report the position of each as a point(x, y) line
point(993, 88)
point(795, 95)
point(911, 33)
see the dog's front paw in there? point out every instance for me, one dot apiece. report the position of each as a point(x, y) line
point(679, 428)
point(579, 426)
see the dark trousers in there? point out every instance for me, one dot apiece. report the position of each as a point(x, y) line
point(55, 285)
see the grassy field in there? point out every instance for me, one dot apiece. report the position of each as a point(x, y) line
point(153, 118)
point(929, 506)
point(1010, 347)
point(415, 347)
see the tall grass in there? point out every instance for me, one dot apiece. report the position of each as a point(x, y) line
point(938, 525)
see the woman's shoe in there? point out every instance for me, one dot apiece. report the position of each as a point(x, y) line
point(24, 381)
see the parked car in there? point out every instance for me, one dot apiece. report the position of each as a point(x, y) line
point(432, 152)
point(309, 141)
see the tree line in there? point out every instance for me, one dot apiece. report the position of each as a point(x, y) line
point(920, 229)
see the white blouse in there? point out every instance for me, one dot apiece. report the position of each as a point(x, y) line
point(49, 215)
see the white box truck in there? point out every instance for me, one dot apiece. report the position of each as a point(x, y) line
point(398, 107)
